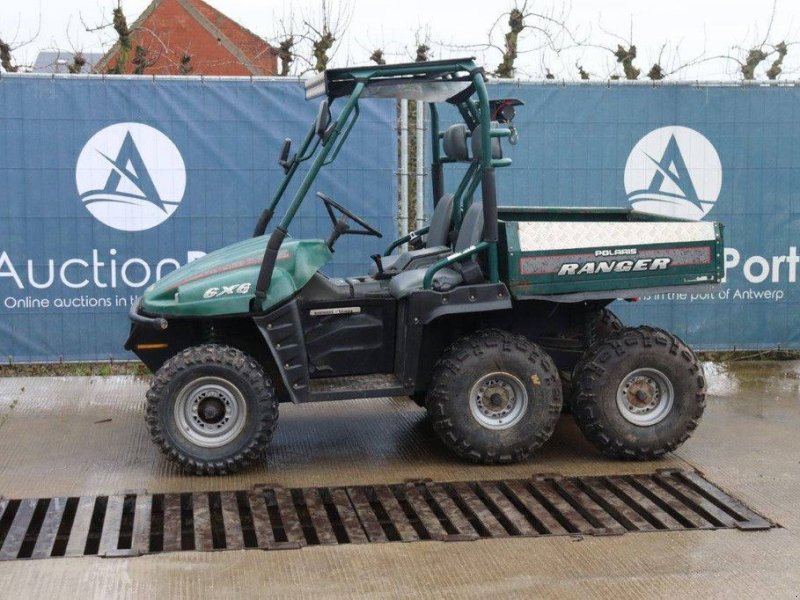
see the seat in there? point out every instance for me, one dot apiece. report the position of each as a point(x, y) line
point(437, 243)
point(471, 233)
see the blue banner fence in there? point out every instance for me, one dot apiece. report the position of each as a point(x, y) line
point(728, 153)
point(202, 150)
point(82, 160)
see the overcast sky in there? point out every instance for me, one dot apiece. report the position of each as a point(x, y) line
point(685, 29)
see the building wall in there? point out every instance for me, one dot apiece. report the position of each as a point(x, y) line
point(170, 31)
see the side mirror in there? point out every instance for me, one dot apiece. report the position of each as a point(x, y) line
point(283, 159)
point(287, 145)
point(323, 118)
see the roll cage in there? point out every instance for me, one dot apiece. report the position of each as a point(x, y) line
point(459, 82)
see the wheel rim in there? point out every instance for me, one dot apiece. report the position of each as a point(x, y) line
point(645, 397)
point(498, 400)
point(210, 411)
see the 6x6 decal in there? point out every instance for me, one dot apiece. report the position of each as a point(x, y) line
point(227, 290)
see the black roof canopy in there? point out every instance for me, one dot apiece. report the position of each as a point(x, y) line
point(430, 81)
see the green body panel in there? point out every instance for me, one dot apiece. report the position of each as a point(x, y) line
point(587, 267)
point(224, 282)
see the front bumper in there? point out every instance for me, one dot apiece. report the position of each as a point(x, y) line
point(134, 314)
point(151, 338)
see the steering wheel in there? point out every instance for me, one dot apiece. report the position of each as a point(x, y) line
point(340, 226)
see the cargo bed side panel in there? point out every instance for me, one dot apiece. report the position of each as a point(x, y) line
point(563, 257)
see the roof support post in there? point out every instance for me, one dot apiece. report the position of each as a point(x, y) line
point(402, 216)
point(488, 184)
point(419, 164)
point(437, 173)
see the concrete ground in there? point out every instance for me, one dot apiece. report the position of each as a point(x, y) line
point(83, 436)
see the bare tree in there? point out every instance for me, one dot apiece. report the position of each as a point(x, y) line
point(761, 51)
point(422, 53)
point(775, 69)
point(120, 24)
point(377, 57)
point(324, 30)
point(143, 57)
point(548, 28)
point(185, 67)
point(286, 40)
point(286, 54)
point(422, 45)
point(9, 46)
point(625, 57)
point(528, 31)
point(78, 62)
point(308, 43)
point(748, 61)
point(516, 25)
point(626, 52)
point(6, 58)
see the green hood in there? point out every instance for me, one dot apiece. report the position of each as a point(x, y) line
point(224, 281)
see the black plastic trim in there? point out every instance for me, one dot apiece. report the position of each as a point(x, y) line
point(283, 332)
point(268, 264)
point(489, 197)
point(263, 221)
point(425, 306)
point(437, 178)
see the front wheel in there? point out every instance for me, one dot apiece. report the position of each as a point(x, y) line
point(494, 397)
point(211, 409)
point(639, 393)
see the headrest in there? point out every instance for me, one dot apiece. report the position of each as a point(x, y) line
point(477, 151)
point(455, 142)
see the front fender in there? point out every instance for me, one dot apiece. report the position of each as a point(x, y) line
point(224, 282)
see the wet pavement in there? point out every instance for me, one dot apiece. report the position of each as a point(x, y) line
point(86, 436)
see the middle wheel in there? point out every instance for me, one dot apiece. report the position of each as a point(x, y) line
point(494, 397)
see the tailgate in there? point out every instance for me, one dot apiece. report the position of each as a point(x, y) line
point(572, 257)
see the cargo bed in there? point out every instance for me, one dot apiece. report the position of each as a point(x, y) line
point(577, 254)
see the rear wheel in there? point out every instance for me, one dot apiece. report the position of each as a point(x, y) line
point(494, 397)
point(211, 409)
point(639, 393)
point(602, 324)
point(599, 325)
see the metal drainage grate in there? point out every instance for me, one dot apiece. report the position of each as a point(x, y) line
point(278, 518)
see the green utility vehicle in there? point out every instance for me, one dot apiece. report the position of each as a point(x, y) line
point(483, 317)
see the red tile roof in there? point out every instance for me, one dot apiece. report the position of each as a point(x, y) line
point(253, 46)
point(217, 44)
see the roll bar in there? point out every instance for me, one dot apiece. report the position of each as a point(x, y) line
point(474, 112)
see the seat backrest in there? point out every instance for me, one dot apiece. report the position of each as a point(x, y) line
point(441, 222)
point(471, 230)
point(477, 151)
point(454, 142)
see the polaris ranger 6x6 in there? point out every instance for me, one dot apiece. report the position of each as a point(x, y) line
point(483, 317)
